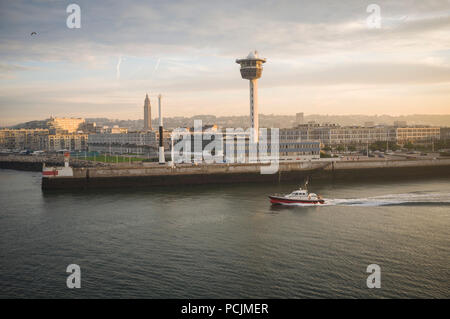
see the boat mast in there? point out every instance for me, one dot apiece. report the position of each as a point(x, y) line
point(306, 183)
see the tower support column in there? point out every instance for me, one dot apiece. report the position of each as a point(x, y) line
point(254, 110)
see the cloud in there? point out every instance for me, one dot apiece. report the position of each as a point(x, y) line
point(320, 44)
point(280, 28)
point(12, 68)
point(372, 73)
point(9, 71)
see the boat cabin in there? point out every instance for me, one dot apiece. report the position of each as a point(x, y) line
point(299, 192)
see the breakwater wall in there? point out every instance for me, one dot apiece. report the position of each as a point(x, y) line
point(22, 166)
point(152, 174)
point(35, 163)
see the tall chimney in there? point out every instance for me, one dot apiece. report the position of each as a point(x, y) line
point(162, 160)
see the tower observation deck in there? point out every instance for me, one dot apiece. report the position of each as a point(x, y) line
point(251, 69)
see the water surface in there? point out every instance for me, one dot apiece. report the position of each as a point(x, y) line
point(225, 241)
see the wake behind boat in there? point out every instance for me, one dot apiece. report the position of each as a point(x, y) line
point(300, 196)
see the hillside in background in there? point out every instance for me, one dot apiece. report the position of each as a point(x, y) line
point(281, 121)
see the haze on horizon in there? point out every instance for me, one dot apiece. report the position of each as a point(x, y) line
point(322, 58)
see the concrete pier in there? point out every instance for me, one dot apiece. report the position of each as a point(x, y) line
point(35, 163)
point(149, 174)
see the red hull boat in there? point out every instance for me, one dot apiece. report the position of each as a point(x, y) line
point(300, 196)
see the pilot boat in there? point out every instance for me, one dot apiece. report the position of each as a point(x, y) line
point(300, 196)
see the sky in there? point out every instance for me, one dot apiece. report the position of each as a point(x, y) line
point(322, 57)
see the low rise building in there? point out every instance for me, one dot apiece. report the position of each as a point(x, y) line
point(235, 146)
point(64, 125)
point(299, 150)
point(333, 135)
point(66, 141)
point(445, 133)
point(308, 132)
point(23, 139)
point(88, 127)
point(144, 142)
point(111, 130)
point(41, 140)
point(417, 134)
point(361, 135)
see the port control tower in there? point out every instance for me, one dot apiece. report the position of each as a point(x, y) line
point(251, 69)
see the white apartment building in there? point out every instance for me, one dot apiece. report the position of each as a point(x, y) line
point(332, 135)
point(124, 143)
